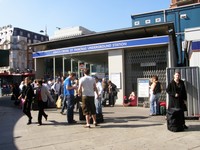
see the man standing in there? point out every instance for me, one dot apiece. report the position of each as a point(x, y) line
point(177, 94)
point(98, 97)
point(112, 90)
point(27, 94)
point(57, 88)
point(69, 97)
point(87, 86)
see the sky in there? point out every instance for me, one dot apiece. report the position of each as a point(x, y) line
point(95, 15)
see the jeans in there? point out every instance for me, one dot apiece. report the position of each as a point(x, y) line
point(70, 108)
point(154, 108)
point(98, 105)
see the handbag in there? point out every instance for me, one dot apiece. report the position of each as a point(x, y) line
point(59, 102)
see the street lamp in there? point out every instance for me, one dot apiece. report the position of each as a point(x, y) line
point(44, 31)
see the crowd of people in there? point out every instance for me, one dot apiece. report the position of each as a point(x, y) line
point(91, 92)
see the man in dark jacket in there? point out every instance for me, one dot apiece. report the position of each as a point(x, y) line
point(177, 94)
point(112, 90)
point(28, 96)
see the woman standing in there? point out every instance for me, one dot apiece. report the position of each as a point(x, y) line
point(155, 91)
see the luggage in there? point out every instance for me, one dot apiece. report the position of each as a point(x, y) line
point(99, 118)
point(175, 119)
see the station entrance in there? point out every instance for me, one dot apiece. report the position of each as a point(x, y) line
point(97, 63)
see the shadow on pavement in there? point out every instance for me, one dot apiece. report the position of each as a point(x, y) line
point(193, 128)
point(129, 126)
point(124, 119)
point(9, 115)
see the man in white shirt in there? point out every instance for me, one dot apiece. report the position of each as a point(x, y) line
point(99, 96)
point(56, 87)
point(87, 86)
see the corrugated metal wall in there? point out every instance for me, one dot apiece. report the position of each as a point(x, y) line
point(190, 75)
point(144, 63)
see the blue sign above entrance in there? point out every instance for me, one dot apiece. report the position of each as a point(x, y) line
point(158, 40)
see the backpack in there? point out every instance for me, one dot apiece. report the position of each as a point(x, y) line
point(157, 88)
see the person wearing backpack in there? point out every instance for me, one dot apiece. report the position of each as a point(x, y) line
point(155, 92)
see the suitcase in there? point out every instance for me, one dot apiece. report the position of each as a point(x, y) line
point(99, 118)
point(175, 119)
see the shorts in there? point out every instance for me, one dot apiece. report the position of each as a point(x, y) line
point(88, 105)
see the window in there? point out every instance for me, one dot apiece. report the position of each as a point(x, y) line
point(29, 35)
point(158, 20)
point(147, 21)
point(21, 33)
point(15, 33)
point(14, 40)
point(35, 37)
point(29, 41)
point(136, 23)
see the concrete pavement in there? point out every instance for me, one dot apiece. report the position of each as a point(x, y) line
point(125, 128)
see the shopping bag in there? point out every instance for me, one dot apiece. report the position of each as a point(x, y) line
point(59, 102)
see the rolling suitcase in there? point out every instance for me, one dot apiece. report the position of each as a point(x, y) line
point(175, 119)
point(99, 118)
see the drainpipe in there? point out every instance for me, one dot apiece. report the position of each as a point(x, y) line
point(164, 15)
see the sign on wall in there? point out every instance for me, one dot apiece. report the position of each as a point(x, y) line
point(143, 87)
point(116, 79)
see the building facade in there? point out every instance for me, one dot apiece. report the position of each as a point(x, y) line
point(130, 54)
point(16, 40)
point(178, 3)
point(75, 31)
point(183, 17)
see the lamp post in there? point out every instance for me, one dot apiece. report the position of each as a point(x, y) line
point(44, 31)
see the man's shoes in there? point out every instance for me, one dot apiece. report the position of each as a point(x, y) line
point(95, 124)
point(40, 124)
point(29, 122)
point(185, 127)
point(152, 115)
point(87, 126)
point(72, 122)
